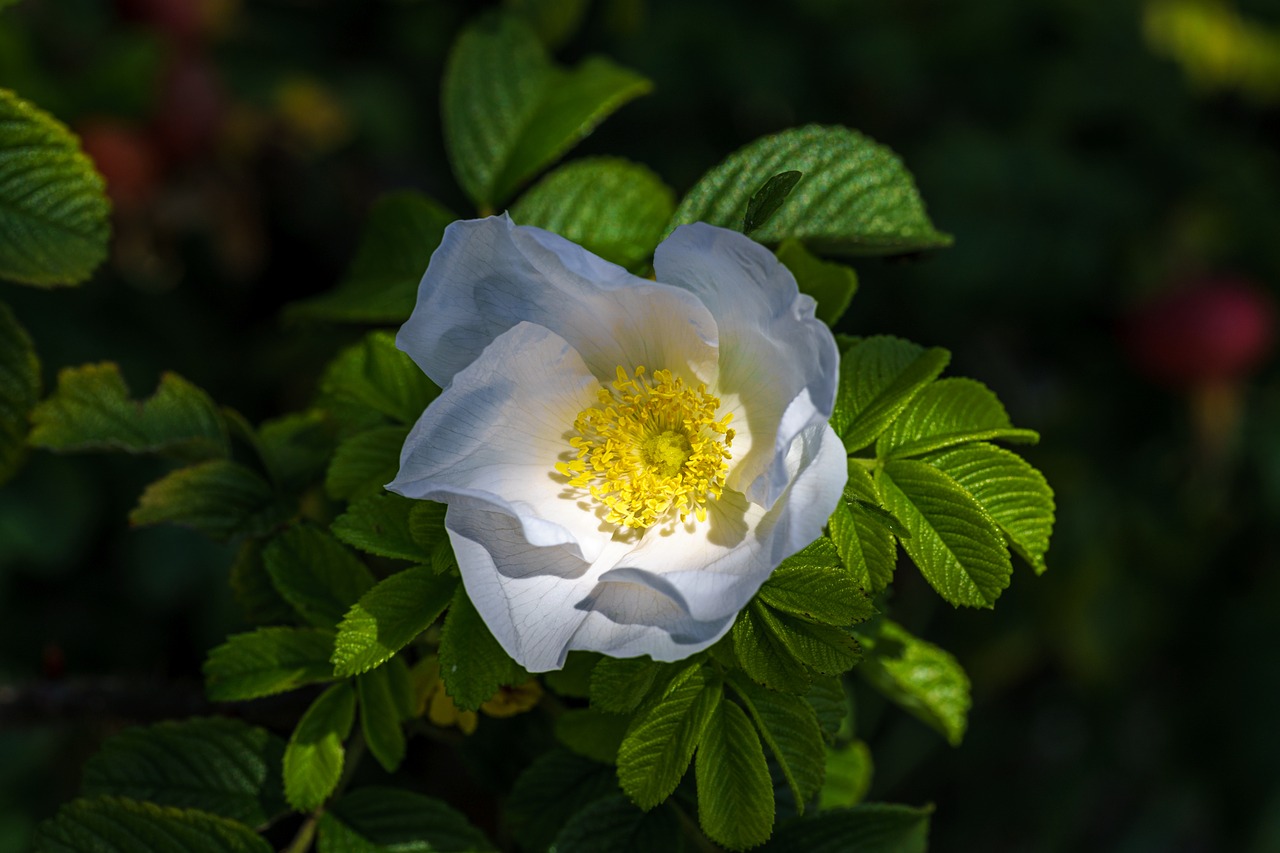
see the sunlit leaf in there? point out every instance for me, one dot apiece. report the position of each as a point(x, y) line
point(388, 616)
point(922, 678)
point(832, 285)
point(735, 794)
point(315, 754)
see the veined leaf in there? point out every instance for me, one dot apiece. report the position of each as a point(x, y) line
point(385, 703)
point(823, 648)
point(866, 548)
point(919, 676)
point(315, 754)
point(879, 377)
point(612, 207)
point(473, 665)
point(508, 111)
point(867, 828)
point(381, 286)
point(949, 412)
point(220, 498)
point(375, 378)
point(789, 726)
point(317, 576)
point(1012, 492)
point(660, 743)
point(388, 616)
point(615, 824)
point(765, 203)
point(831, 285)
point(620, 685)
point(955, 544)
point(813, 585)
point(393, 819)
point(365, 462)
point(763, 654)
point(735, 794)
point(555, 786)
point(380, 525)
point(53, 206)
point(117, 824)
point(91, 410)
point(856, 196)
point(830, 704)
point(267, 661)
point(295, 448)
point(848, 777)
point(19, 390)
point(221, 766)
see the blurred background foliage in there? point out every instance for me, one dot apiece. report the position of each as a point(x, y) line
point(1094, 160)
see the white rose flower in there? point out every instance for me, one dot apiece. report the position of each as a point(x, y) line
point(624, 461)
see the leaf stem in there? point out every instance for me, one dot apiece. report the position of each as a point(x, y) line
point(306, 834)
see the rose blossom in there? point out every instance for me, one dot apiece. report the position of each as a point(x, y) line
point(624, 461)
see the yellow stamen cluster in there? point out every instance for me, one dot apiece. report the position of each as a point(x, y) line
point(651, 447)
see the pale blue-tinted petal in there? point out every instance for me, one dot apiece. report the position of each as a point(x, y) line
point(626, 620)
point(490, 274)
point(778, 364)
point(492, 438)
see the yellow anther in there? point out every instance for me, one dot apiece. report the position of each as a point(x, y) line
point(653, 447)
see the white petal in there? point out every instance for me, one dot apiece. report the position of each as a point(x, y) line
point(489, 274)
point(778, 364)
point(493, 437)
point(711, 571)
point(627, 620)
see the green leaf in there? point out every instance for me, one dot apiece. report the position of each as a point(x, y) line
point(813, 585)
point(554, 787)
point(591, 733)
point(765, 203)
point(219, 498)
point(313, 759)
point(857, 197)
point(763, 654)
point(616, 825)
point(735, 794)
point(867, 828)
point(374, 378)
point(879, 377)
point(830, 704)
point(295, 448)
point(381, 286)
point(824, 648)
point(611, 207)
point(1013, 493)
point(19, 390)
point(392, 819)
point(866, 548)
point(789, 727)
point(267, 661)
point(660, 742)
point(253, 589)
point(473, 665)
point(922, 678)
point(117, 825)
point(221, 766)
point(364, 463)
point(848, 776)
point(831, 285)
point(315, 574)
point(54, 212)
point(955, 544)
point(379, 525)
point(91, 410)
point(386, 701)
point(508, 112)
point(949, 412)
point(620, 685)
point(388, 616)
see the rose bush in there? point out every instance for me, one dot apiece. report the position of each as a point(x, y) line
point(624, 461)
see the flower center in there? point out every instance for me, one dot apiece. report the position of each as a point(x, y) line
point(652, 446)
